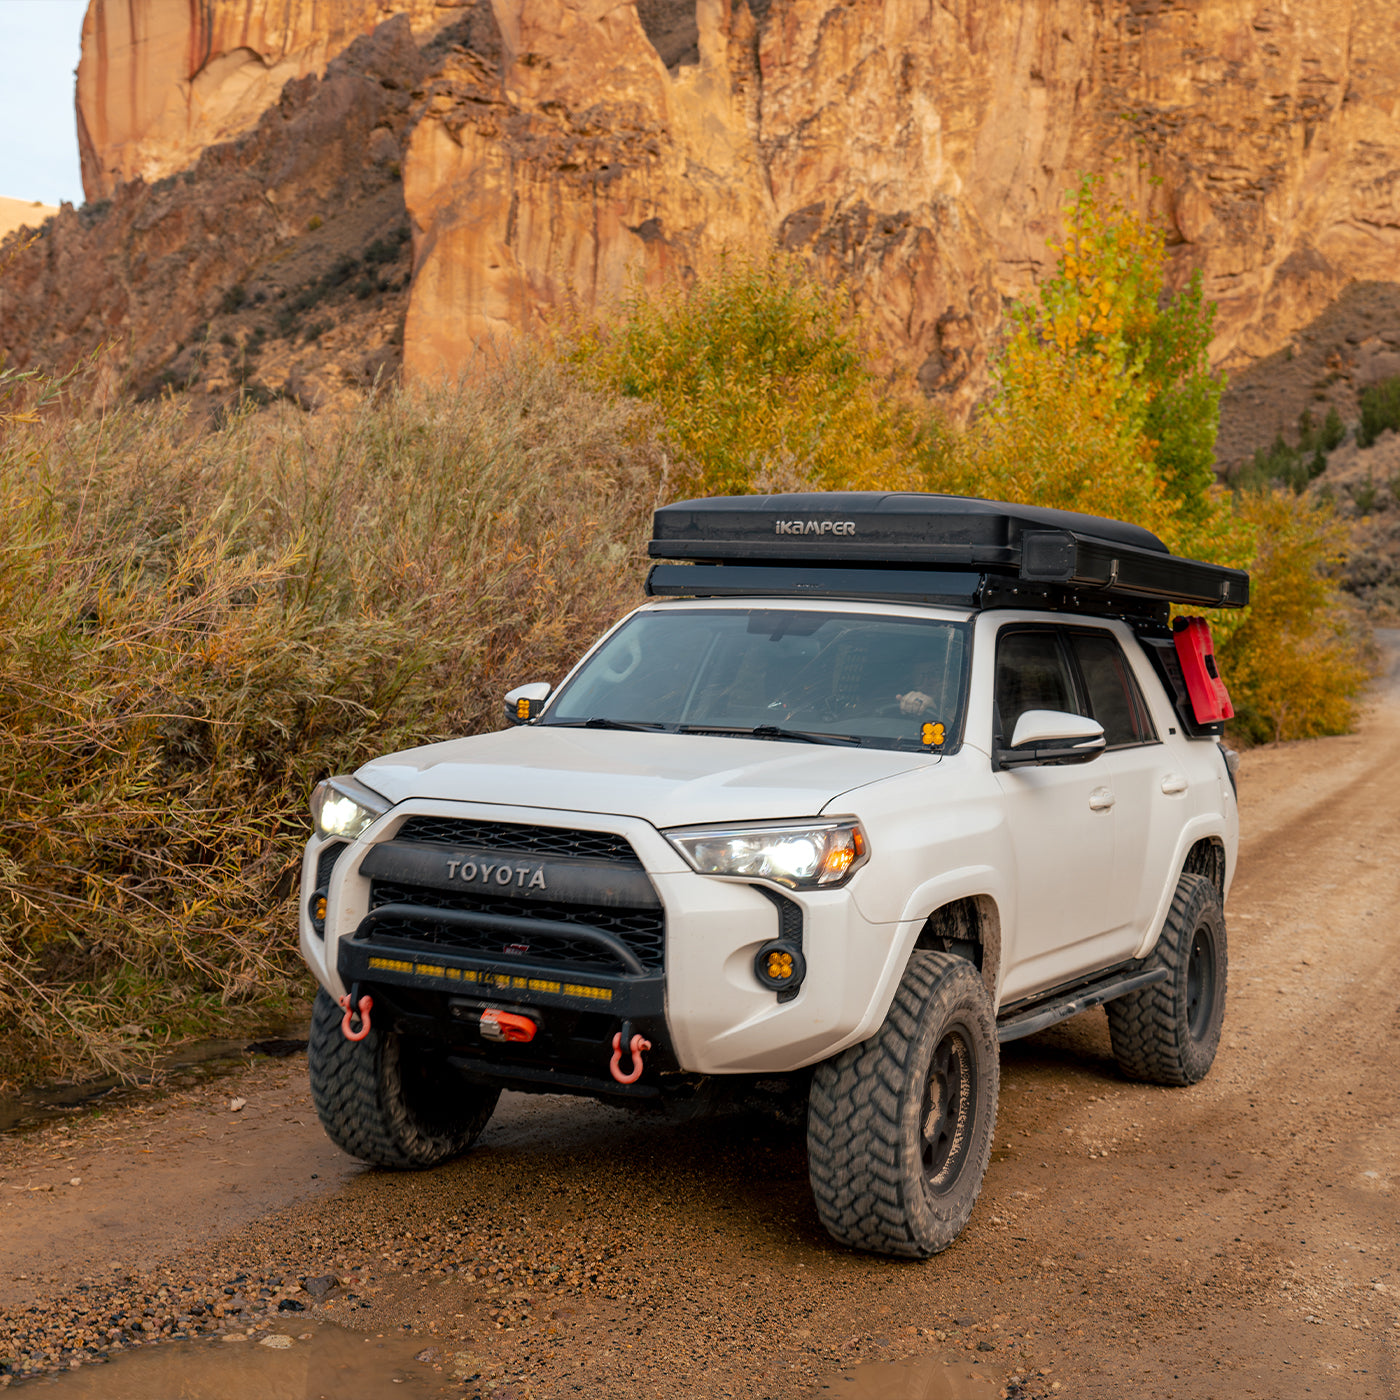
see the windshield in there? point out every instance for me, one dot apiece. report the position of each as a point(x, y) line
point(888, 682)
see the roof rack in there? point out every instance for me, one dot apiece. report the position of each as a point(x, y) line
point(929, 548)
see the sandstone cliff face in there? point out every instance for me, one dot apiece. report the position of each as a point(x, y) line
point(161, 80)
point(918, 149)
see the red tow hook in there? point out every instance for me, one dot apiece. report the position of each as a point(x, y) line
point(362, 1008)
point(636, 1045)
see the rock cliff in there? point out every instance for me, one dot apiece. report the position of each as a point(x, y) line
point(277, 263)
point(161, 80)
point(920, 150)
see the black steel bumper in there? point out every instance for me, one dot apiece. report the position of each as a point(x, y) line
point(429, 991)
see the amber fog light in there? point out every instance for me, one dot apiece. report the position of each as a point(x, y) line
point(316, 907)
point(780, 966)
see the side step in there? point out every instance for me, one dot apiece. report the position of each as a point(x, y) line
point(1059, 1008)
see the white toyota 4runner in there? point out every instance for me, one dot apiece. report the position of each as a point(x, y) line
point(870, 784)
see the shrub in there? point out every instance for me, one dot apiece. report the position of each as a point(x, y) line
point(1380, 410)
point(203, 624)
point(1104, 400)
point(1365, 494)
point(762, 380)
point(386, 249)
point(1287, 464)
point(1300, 656)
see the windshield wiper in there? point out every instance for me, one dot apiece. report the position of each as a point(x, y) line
point(771, 731)
point(598, 722)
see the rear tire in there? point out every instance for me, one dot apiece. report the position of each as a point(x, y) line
point(899, 1128)
point(389, 1100)
point(1168, 1033)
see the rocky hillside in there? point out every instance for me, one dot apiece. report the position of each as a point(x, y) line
point(277, 264)
point(1324, 370)
point(552, 150)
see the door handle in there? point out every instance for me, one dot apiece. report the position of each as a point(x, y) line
point(1100, 800)
point(1174, 783)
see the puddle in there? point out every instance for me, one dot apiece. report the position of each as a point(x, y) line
point(190, 1065)
point(330, 1364)
point(914, 1380)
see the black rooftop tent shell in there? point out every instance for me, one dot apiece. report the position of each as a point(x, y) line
point(911, 544)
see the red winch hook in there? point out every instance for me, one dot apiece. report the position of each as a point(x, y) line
point(363, 1008)
point(636, 1045)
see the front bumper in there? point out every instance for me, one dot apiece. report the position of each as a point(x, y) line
point(704, 1009)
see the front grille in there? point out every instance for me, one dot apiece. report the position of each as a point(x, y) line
point(642, 930)
point(520, 840)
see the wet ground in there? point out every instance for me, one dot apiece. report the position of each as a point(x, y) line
point(1235, 1239)
point(190, 1065)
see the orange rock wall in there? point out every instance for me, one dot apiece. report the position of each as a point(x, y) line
point(919, 150)
point(161, 80)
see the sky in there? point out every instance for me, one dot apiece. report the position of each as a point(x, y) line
point(39, 42)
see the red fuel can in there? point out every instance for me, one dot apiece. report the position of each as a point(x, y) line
point(1210, 701)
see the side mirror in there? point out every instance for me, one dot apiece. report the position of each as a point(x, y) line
point(525, 702)
point(1051, 736)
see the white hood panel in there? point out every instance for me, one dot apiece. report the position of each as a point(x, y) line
point(666, 779)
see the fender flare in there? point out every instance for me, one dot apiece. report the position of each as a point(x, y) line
point(984, 883)
point(1207, 827)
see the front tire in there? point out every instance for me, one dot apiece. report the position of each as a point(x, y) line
point(389, 1100)
point(1168, 1033)
point(899, 1128)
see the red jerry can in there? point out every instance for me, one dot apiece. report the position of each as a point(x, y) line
point(1210, 701)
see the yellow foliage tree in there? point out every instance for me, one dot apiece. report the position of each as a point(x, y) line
point(1105, 402)
point(763, 380)
point(1298, 658)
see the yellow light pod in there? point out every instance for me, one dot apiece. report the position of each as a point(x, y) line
point(933, 735)
point(780, 966)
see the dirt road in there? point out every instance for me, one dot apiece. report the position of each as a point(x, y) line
point(1234, 1239)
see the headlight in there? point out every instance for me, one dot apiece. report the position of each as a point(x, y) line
point(343, 807)
point(812, 855)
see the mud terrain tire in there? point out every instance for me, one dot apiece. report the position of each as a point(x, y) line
point(899, 1128)
point(387, 1101)
point(1168, 1033)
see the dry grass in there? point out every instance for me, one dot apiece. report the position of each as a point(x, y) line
point(203, 624)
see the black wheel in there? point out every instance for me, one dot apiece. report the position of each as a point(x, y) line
point(1168, 1033)
point(388, 1100)
point(899, 1128)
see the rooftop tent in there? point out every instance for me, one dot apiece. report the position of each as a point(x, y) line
point(925, 546)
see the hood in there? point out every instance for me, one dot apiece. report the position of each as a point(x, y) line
point(666, 779)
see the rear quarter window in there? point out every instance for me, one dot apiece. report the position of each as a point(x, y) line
point(1114, 697)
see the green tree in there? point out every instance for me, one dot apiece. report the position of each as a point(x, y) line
point(762, 378)
point(1105, 401)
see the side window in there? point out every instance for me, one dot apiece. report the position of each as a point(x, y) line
point(1031, 675)
point(1114, 698)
